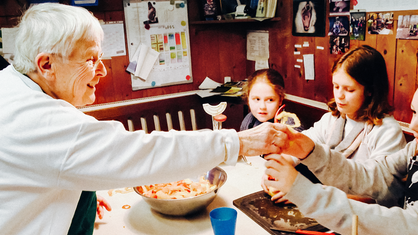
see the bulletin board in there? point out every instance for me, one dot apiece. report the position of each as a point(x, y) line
point(162, 26)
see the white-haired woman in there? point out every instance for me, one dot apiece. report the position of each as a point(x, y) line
point(51, 151)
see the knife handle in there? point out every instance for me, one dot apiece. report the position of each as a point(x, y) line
point(300, 231)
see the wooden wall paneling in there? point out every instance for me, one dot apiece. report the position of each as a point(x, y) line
point(280, 36)
point(387, 47)
point(121, 80)
point(193, 10)
point(406, 78)
point(239, 46)
point(232, 53)
point(114, 16)
point(205, 44)
point(250, 66)
point(211, 54)
point(282, 51)
point(11, 8)
point(323, 82)
point(308, 86)
point(292, 74)
point(198, 65)
point(107, 5)
point(3, 21)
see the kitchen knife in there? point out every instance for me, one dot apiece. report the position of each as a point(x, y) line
point(300, 231)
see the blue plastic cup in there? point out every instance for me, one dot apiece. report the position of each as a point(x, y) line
point(223, 220)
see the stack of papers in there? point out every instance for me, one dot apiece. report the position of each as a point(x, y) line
point(211, 88)
point(143, 61)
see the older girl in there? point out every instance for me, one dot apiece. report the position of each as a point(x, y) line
point(360, 124)
point(380, 178)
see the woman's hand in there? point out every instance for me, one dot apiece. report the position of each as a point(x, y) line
point(262, 139)
point(281, 169)
point(102, 204)
point(270, 138)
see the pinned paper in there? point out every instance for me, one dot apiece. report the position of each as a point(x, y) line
point(144, 60)
point(114, 40)
point(309, 66)
point(257, 45)
point(261, 64)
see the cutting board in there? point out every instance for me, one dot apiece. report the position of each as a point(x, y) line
point(259, 207)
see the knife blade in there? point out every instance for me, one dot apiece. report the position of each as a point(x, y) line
point(301, 231)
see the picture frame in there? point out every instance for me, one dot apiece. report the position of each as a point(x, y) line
point(339, 6)
point(309, 18)
point(338, 26)
point(358, 26)
point(339, 45)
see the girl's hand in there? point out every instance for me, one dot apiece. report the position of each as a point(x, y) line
point(101, 205)
point(276, 195)
point(281, 169)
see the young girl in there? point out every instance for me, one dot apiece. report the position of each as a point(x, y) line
point(360, 124)
point(380, 178)
point(264, 93)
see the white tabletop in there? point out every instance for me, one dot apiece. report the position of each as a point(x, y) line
point(242, 180)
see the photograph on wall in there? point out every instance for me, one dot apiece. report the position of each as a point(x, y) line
point(407, 27)
point(339, 44)
point(338, 26)
point(339, 6)
point(380, 23)
point(358, 26)
point(152, 14)
point(308, 18)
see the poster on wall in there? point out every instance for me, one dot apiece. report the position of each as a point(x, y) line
point(358, 26)
point(308, 18)
point(158, 41)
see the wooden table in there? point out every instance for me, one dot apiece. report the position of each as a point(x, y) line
point(243, 179)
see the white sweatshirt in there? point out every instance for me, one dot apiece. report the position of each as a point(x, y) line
point(50, 152)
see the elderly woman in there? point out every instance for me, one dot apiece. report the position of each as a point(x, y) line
point(51, 151)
